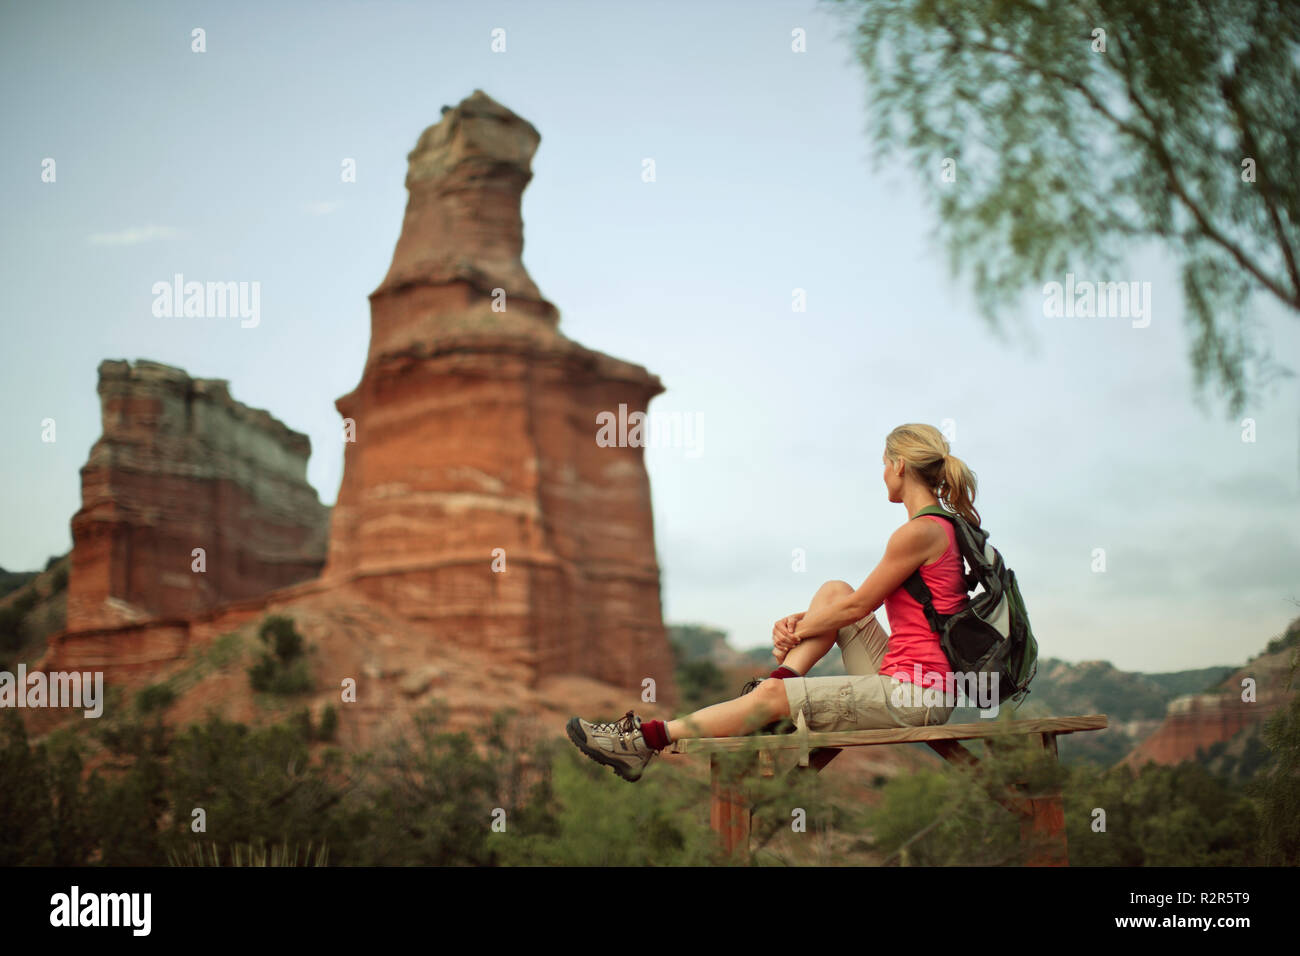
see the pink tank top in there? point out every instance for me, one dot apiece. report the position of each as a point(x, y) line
point(911, 642)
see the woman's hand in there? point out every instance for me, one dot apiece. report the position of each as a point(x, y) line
point(783, 636)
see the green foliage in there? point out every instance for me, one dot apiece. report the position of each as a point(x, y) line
point(329, 724)
point(428, 798)
point(154, 698)
point(1238, 759)
point(951, 817)
point(283, 638)
point(282, 668)
point(275, 796)
point(1066, 155)
point(600, 821)
point(328, 729)
point(1276, 788)
point(817, 804)
point(1291, 638)
point(1162, 816)
point(1099, 688)
point(12, 580)
point(692, 641)
point(699, 683)
point(60, 582)
point(252, 784)
point(12, 617)
point(26, 804)
point(433, 798)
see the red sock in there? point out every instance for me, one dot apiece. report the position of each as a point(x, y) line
point(782, 672)
point(655, 733)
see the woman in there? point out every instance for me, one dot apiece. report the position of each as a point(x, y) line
point(878, 691)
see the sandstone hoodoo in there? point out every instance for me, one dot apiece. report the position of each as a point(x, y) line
point(475, 498)
point(182, 466)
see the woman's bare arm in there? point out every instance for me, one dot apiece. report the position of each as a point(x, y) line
point(909, 547)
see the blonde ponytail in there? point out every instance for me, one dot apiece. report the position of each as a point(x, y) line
point(958, 491)
point(924, 450)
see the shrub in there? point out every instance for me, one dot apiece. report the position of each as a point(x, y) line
point(278, 633)
point(155, 697)
point(329, 724)
point(1276, 789)
point(12, 618)
point(283, 667)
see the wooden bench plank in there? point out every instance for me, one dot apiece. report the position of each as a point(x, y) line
point(900, 735)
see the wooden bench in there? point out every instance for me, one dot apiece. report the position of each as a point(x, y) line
point(1042, 816)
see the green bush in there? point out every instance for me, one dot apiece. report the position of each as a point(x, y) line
point(279, 634)
point(283, 668)
point(1162, 816)
point(329, 724)
point(154, 698)
point(12, 618)
point(601, 821)
point(699, 682)
point(1276, 789)
point(430, 797)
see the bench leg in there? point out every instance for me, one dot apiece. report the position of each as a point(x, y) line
point(729, 808)
point(1043, 831)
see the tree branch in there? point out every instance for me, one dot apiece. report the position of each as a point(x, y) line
point(1157, 147)
point(1175, 185)
point(1250, 147)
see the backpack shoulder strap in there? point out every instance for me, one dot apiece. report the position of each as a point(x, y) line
point(920, 592)
point(916, 586)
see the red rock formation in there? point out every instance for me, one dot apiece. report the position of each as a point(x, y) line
point(475, 429)
point(181, 465)
point(1196, 722)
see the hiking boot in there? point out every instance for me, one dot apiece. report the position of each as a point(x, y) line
point(620, 745)
point(782, 725)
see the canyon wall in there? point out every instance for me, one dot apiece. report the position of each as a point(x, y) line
point(180, 466)
point(1194, 723)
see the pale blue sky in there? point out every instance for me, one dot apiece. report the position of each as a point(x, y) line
point(1084, 433)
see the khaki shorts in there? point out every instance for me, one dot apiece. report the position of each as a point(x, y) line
point(862, 700)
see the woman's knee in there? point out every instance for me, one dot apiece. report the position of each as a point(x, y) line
point(772, 697)
point(833, 589)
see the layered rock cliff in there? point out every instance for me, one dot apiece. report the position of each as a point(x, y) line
point(475, 497)
point(1195, 723)
point(182, 466)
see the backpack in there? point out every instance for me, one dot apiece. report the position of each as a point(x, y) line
point(993, 634)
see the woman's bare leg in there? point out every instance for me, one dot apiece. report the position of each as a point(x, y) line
point(810, 650)
point(768, 702)
point(734, 718)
